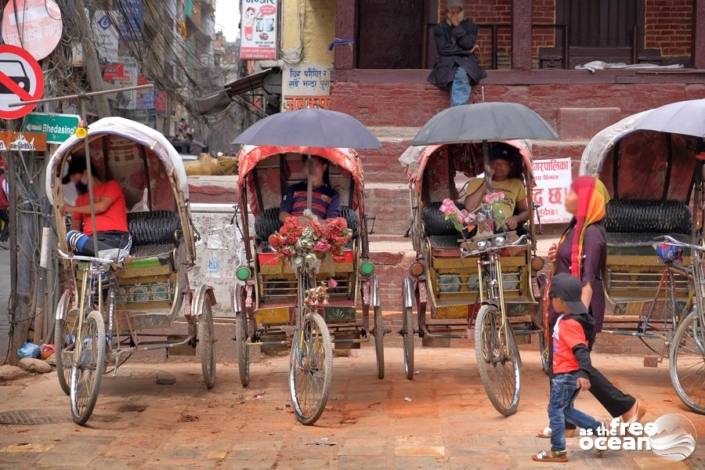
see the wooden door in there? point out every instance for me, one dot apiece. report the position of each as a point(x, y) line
point(391, 34)
point(608, 30)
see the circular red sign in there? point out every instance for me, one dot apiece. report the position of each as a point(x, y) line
point(21, 79)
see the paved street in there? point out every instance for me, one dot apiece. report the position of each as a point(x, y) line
point(440, 420)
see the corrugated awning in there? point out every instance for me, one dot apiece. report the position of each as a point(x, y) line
point(248, 83)
point(220, 100)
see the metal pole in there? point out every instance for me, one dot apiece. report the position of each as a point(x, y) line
point(309, 184)
point(86, 146)
point(81, 96)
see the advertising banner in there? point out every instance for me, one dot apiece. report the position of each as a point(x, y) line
point(553, 180)
point(258, 38)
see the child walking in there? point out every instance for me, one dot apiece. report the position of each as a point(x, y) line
point(572, 334)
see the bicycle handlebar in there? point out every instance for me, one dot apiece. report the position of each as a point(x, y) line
point(672, 241)
point(519, 242)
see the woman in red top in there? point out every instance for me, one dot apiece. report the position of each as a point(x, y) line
point(110, 213)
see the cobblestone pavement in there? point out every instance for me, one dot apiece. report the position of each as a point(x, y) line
point(442, 419)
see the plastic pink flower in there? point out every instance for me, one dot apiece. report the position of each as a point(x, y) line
point(448, 207)
point(321, 246)
point(496, 196)
point(332, 283)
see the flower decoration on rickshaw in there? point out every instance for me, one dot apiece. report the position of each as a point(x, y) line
point(484, 220)
point(305, 243)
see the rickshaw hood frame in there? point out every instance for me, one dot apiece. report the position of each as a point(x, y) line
point(145, 136)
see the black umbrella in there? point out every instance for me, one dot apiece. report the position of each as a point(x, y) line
point(310, 128)
point(484, 122)
point(683, 117)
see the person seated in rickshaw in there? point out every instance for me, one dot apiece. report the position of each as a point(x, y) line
point(110, 213)
point(514, 206)
point(325, 201)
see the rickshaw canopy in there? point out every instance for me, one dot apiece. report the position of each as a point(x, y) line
point(134, 132)
point(250, 156)
point(415, 158)
point(642, 164)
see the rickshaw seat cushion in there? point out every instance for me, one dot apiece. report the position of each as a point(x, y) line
point(648, 217)
point(153, 227)
point(435, 221)
point(445, 246)
point(267, 222)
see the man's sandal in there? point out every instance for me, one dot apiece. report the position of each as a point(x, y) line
point(546, 433)
point(550, 456)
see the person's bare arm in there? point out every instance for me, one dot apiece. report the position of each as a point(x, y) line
point(101, 205)
point(472, 201)
point(523, 215)
point(586, 296)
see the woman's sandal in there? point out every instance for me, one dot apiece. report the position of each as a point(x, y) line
point(550, 456)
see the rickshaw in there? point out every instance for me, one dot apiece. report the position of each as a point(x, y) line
point(653, 276)
point(271, 299)
point(489, 283)
point(117, 303)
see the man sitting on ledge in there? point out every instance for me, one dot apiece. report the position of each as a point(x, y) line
point(457, 66)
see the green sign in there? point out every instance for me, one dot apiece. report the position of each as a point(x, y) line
point(57, 127)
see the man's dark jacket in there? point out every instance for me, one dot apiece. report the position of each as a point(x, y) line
point(453, 45)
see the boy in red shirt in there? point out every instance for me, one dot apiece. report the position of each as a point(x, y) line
point(110, 214)
point(572, 334)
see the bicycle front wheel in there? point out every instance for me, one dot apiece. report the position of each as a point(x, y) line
point(310, 369)
point(87, 371)
point(687, 362)
point(64, 340)
point(498, 360)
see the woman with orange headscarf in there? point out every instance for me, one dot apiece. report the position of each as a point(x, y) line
point(582, 252)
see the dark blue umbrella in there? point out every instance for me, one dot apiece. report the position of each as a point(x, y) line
point(310, 128)
point(682, 117)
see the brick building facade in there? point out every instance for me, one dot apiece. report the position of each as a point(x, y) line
point(522, 47)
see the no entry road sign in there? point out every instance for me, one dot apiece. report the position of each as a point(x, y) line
point(21, 79)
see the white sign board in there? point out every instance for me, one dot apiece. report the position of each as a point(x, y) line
point(306, 80)
point(34, 25)
point(258, 37)
point(107, 37)
point(553, 180)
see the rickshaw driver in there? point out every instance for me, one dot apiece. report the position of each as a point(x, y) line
point(502, 157)
point(325, 201)
point(110, 212)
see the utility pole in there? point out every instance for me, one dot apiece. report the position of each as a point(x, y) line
point(90, 61)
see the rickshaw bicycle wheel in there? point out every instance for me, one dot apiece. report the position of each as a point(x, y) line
point(498, 360)
point(310, 368)
point(206, 338)
point(408, 334)
point(687, 363)
point(243, 351)
point(87, 373)
point(64, 341)
point(379, 342)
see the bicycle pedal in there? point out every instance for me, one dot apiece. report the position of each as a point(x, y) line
point(651, 361)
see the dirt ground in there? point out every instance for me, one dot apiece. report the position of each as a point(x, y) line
point(441, 419)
